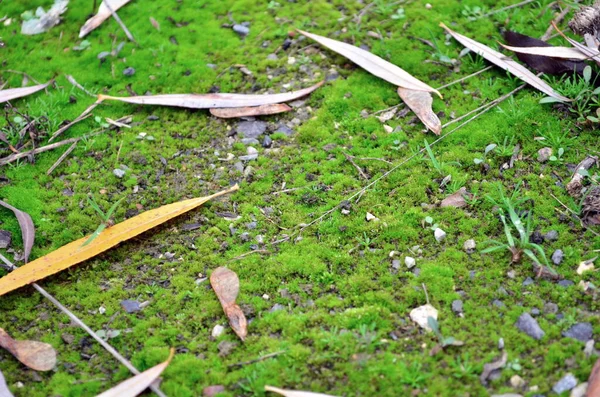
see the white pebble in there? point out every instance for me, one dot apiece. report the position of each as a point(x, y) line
point(217, 331)
point(439, 234)
point(410, 262)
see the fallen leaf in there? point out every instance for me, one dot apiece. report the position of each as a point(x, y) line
point(592, 53)
point(263, 110)
point(294, 393)
point(594, 380)
point(226, 285)
point(420, 103)
point(102, 15)
point(551, 51)
point(155, 23)
point(373, 64)
point(586, 266)
point(494, 365)
point(539, 63)
point(506, 63)
point(456, 199)
point(421, 314)
point(44, 21)
point(14, 93)
point(136, 385)
point(27, 228)
point(4, 391)
point(210, 101)
point(74, 252)
point(38, 356)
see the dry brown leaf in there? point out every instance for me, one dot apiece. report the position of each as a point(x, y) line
point(456, 199)
point(14, 93)
point(506, 63)
point(136, 385)
point(295, 393)
point(155, 23)
point(554, 52)
point(102, 15)
point(36, 355)
point(27, 228)
point(226, 285)
point(4, 391)
point(494, 365)
point(228, 113)
point(373, 64)
point(211, 101)
point(76, 252)
point(420, 103)
point(594, 381)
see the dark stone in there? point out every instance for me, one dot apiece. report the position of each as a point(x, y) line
point(332, 76)
point(251, 129)
point(580, 331)
point(565, 283)
point(67, 192)
point(557, 257)
point(245, 237)
point(5, 239)
point(129, 71)
point(286, 44)
point(536, 237)
point(152, 118)
point(530, 326)
point(552, 235)
point(131, 306)
point(550, 308)
point(267, 142)
point(284, 129)
point(457, 306)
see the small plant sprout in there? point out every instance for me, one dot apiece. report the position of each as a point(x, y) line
point(489, 148)
point(559, 155)
point(437, 165)
point(106, 221)
point(444, 341)
point(399, 14)
point(143, 136)
point(428, 223)
point(101, 122)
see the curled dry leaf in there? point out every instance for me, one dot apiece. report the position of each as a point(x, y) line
point(38, 356)
point(226, 285)
point(27, 228)
point(294, 393)
point(456, 199)
point(75, 252)
point(263, 110)
point(373, 64)
point(134, 386)
point(420, 103)
point(506, 63)
point(211, 101)
point(102, 15)
point(594, 380)
point(494, 365)
point(14, 93)
point(4, 391)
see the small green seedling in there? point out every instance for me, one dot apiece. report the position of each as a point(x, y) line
point(84, 45)
point(437, 165)
point(106, 221)
point(399, 14)
point(557, 158)
point(101, 122)
point(444, 341)
point(489, 148)
point(429, 221)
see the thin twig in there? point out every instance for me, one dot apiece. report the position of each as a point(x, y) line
point(575, 215)
point(62, 158)
point(270, 355)
point(426, 294)
point(287, 190)
point(86, 113)
point(120, 22)
point(76, 84)
point(374, 158)
point(250, 253)
point(87, 329)
point(360, 170)
point(556, 21)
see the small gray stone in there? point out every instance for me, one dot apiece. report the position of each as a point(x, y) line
point(277, 307)
point(544, 154)
point(282, 128)
point(469, 246)
point(238, 166)
point(550, 308)
point(272, 57)
point(498, 303)
point(530, 326)
point(501, 344)
point(439, 235)
point(245, 237)
point(457, 306)
point(552, 235)
point(410, 262)
point(527, 281)
point(5, 239)
point(535, 312)
point(565, 283)
point(241, 29)
point(566, 383)
point(267, 142)
point(396, 264)
point(119, 173)
point(131, 306)
point(217, 331)
point(129, 71)
point(251, 129)
point(557, 257)
point(250, 141)
point(580, 331)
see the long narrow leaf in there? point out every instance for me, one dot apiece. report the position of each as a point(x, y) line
point(134, 386)
point(294, 393)
point(73, 253)
point(263, 110)
point(420, 103)
point(14, 93)
point(373, 64)
point(27, 228)
point(102, 15)
point(554, 52)
point(590, 52)
point(209, 101)
point(506, 63)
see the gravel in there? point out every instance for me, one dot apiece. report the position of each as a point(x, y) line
point(580, 331)
point(557, 257)
point(566, 383)
point(5, 239)
point(530, 326)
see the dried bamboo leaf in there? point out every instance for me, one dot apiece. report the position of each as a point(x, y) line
point(38, 356)
point(420, 103)
point(294, 393)
point(4, 391)
point(554, 52)
point(136, 385)
point(263, 110)
point(211, 101)
point(373, 64)
point(226, 285)
point(592, 53)
point(102, 15)
point(14, 93)
point(74, 252)
point(506, 63)
point(27, 228)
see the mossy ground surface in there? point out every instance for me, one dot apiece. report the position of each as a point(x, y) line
point(344, 323)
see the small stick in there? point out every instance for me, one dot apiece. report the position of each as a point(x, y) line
point(360, 171)
point(425, 290)
point(86, 113)
point(62, 158)
point(120, 22)
point(575, 215)
point(87, 329)
point(375, 158)
point(250, 253)
point(287, 190)
point(270, 355)
point(76, 84)
point(556, 21)
point(574, 186)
